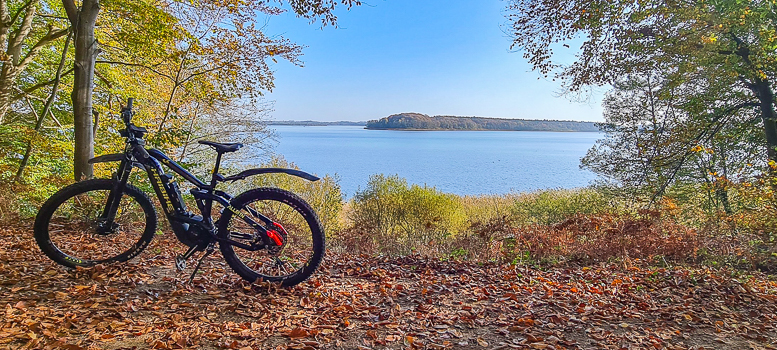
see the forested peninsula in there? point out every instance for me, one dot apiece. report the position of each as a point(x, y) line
point(418, 121)
point(313, 123)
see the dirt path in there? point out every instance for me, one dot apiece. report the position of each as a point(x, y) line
point(361, 302)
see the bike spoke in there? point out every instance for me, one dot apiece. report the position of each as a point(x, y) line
point(293, 255)
point(75, 231)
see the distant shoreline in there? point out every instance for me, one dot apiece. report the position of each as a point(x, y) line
point(314, 123)
point(423, 122)
point(402, 129)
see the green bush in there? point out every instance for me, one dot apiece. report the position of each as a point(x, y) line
point(401, 218)
point(554, 206)
point(49, 168)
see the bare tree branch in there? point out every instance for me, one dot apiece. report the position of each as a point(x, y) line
point(714, 127)
point(52, 35)
point(45, 83)
point(136, 65)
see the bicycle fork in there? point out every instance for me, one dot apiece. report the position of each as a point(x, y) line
point(107, 224)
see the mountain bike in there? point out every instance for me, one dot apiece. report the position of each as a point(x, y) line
point(264, 233)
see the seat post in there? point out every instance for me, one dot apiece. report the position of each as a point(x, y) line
point(215, 170)
point(208, 201)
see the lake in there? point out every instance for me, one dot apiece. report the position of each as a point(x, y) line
point(460, 162)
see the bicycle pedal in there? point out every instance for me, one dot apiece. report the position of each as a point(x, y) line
point(180, 263)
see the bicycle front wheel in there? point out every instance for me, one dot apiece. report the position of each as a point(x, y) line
point(303, 237)
point(70, 228)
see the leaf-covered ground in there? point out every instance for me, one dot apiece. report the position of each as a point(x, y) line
point(372, 303)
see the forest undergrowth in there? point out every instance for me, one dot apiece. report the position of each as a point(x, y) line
point(359, 301)
point(410, 267)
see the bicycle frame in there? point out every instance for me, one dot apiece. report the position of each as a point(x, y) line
point(249, 229)
point(168, 194)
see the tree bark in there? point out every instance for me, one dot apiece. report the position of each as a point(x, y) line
point(83, 74)
point(722, 194)
point(7, 81)
point(766, 98)
point(71, 10)
point(14, 41)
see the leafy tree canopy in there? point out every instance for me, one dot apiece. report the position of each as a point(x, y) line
point(712, 62)
point(726, 37)
point(193, 65)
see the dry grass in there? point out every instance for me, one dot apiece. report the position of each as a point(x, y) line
point(548, 227)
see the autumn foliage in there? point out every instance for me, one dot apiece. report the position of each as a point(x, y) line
point(360, 301)
point(599, 238)
point(588, 273)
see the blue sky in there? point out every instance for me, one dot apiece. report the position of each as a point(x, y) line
point(437, 57)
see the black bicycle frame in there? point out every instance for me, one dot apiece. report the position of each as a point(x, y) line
point(151, 160)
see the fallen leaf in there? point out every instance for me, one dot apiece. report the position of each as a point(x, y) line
point(482, 342)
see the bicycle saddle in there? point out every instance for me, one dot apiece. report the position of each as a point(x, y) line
point(222, 147)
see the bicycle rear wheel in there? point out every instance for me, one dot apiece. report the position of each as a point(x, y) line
point(69, 228)
point(303, 237)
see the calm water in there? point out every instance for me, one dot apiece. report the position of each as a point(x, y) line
point(460, 162)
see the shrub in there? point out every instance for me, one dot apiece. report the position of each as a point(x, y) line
point(554, 206)
point(393, 217)
point(757, 205)
point(49, 168)
point(748, 237)
point(596, 238)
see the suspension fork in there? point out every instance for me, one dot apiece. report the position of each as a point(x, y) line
point(114, 197)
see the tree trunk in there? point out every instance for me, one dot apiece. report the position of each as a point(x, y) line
point(770, 129)
point(14, 41)
point(766, 98)
point(86, 53)
point(7, 80)
point(722, 194)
